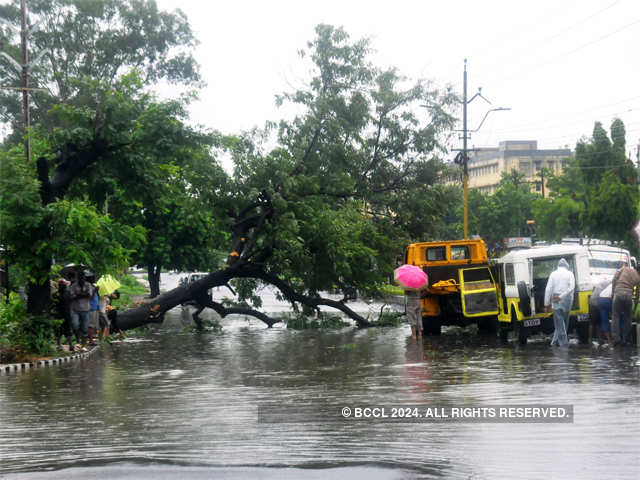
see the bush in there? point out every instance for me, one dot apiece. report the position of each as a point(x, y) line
point(390, 319)
point(26, 333)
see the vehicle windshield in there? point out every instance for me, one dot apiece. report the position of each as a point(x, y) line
point(598, 263)
point(542, 267)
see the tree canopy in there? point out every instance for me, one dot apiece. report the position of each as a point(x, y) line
point(596, 195)
point(77, 40)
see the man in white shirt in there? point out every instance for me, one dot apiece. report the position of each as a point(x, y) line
point(558, 296)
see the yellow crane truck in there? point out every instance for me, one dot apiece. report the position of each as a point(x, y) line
point(461, 288)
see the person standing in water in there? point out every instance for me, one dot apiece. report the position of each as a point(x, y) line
point(558, 297)
point(414, 312)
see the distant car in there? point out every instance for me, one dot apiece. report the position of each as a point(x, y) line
point(194, 277)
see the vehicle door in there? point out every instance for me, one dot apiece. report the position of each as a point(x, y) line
point(478, 292)
point(535, 308)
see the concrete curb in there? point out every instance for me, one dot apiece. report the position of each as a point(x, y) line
point(8, 369)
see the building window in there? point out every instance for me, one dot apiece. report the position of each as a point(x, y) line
point(538, 187)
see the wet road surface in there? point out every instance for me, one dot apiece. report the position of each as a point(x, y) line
point(176, 404)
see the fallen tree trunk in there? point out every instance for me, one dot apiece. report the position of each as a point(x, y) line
point(245, 260)
point(154, 310)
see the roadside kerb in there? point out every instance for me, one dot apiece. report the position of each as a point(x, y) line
point(9, 368)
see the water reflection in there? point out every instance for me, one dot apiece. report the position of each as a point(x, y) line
point(187, 399)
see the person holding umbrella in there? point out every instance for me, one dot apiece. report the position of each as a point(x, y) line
point(413, 280)
point(81, 293)
point(414, 312)
point(107, 290)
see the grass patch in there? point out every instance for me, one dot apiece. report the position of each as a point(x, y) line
point(129, 287)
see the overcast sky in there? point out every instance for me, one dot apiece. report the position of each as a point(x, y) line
point(560, 65)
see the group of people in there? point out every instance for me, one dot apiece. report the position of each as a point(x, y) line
point(85, 313)
point(616, 297)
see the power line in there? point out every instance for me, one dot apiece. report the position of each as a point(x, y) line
point(544, 18)
point(547, 126)
point(579, 22)
point(571, 52)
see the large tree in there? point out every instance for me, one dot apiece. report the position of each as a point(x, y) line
point(171, 185)
point(326, 205)
point(92, 114)
point(98, 169)
point(596, 195)
point(99, 40)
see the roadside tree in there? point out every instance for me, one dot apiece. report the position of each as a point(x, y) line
point(596, 195)
point(102, 41)
point(325, 205)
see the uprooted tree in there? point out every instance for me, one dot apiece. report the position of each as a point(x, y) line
point(330, 205)
point(247, 260)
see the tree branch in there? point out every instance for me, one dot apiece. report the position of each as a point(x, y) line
point(224, 311)
point(313, 302)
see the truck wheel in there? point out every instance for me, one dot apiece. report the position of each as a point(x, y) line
point(522, 332)
point(525, 299)
point(504, 333)
point(583, 332)
point(431, 325)
point(488, 325)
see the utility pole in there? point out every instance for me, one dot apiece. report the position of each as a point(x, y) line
point(638, 161)
point(24, 33)
point(22, 70)
point(465, 158)
point(465, 136)
point(542, 180)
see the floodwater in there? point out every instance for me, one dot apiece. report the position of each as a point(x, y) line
point(177, 404)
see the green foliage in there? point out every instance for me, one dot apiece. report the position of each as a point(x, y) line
point(11, 315)
point(392, 290)
point(131, 286)
point(27, 333)
point(301, 321)
point(596, 195)
point(69, 231)
point(99, 40)
point(391, 318)
point(352, 176)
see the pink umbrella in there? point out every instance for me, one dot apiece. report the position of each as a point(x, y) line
point(410, 277)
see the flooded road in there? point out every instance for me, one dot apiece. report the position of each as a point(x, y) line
point(177, 404)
